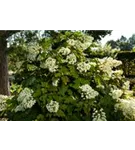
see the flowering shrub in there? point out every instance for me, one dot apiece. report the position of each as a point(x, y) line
point(25, 100)
point(61, 80)
point(3, 106)
point(3, 102)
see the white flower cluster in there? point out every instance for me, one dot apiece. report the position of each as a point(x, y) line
point(86, 42)
point(92, 64)
point(75, 43)
point(109, 61)
point(25, 100)
point(103, 50)
point(71, 42)
point(100, 86)
point(19, 64)
point(126, 85)
point(53, 106)
point(117, 74)
point(71, 59)
point(107, 64)
point(31, 56)
point(88, 38)
point(33, 51)
point(116, 93)
point(127, 106)
point(107, 49)
point(88, 92)
point(128, 93)
point(116, 63)
point(99, 115)
point(107, 70)
point(85, 45)
point(83, 67)
point(104, 65)
point(55, 82)
point(10, 72)
point(64, 51)
point(3, 102)
point(50, 64)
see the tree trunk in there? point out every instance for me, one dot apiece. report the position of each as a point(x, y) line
point(4, 81)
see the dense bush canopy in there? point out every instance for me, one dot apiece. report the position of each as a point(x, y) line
point(69, 77)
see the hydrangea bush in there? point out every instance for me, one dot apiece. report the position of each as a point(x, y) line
point(61, 80)
point(3, 102)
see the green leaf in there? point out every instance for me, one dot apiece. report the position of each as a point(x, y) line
point(62, 90)
point(49, 115)
point(80, 104)
point(43, 90)
point(40, 117)
point(37, 93)
point(70, 110)
point(52, 89)
point(69, 100)
point(63, 107)
point(98, 80)
point(84, 81)
point(76, 83)
point(43, 100)
point(75, 86)
point(46, 43)
point(30, 81)
point(60, 113)
point(31, 67)
point(62, 37)
point(75, 117)
point(70, 92)
point(64, 70)
point(106, 101)
point(57, 97)
point(65, 79)
point(73, 71)
point(57, 75)
point(86, 109)
point(44, 84)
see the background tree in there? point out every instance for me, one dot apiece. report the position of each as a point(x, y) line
point(4, 85)
point(113, 44)
point(97, 34)
point(123, 43)
point(132, 40)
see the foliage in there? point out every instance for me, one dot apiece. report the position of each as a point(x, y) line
point(3, 106)
point(16, 42)
point(123, 43)
point(97, 34)
point(56, 78)
point(19, 37)
point(128, 60)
